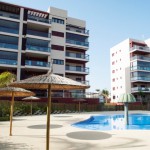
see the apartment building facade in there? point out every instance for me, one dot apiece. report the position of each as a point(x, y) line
point(130, 69)
point(30, 39)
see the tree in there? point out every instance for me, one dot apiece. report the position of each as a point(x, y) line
point(105, 93)
point(6, 78)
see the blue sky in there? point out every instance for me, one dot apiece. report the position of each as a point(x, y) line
point(109, 22)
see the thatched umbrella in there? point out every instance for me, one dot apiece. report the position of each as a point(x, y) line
point(30, 98)
point(79, 101)
point(14, 92)
point(126, 98)
point(51, 82)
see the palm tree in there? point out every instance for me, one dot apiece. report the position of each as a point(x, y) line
point(105, 93)
point(6, 78)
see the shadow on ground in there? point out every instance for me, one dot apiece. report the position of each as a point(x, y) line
point(88, 135)
point(43, 126)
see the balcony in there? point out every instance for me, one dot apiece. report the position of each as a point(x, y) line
point(38, 33)
point(77, 43)
point(37, 48)
point(8, 62)
point(8, 45)
point(78, 56)
point(140, 48)
point(38, 19)
point(9, 30)
point(140, 78)
point(78, 30)
point(77, 69)
point(84, 82)
point(138, 89)
point(144, 68)
point(141, 58)
point(37, 63)
point(9, 15)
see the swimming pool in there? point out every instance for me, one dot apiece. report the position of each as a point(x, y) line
point(115, 122)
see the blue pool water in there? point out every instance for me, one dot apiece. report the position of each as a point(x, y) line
point(115, 122)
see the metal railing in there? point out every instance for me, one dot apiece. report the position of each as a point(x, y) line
point(77, 69)
point(78, 55)
point(140, 78)
point(8, 62)
point(37, 63)
point(77, 42)
point(144, 89)
point(38, 33)
point(9, 15)
point(145, 68)
point(141, 48)
point(37, 48)
point(9, 30)
point(38, 19)
point(140, 57)
point(8, 45)
point(83, 31)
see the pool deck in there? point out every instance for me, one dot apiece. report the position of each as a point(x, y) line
point(29, 134)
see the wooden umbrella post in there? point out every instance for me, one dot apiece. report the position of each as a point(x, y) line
point(11, 113)
point(48, 118)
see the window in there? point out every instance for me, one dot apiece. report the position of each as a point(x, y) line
point(113, 54)
point(56, 20)
point(113, 71)
point(58, 61)
point(113, 97)
point(57, 47)
point(113, 88)
point(113, 63)
point(56, 33)
point(113, 80)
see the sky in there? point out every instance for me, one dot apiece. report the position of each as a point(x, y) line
point(109, 22)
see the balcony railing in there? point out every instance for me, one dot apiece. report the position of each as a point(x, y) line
point(143, 89)
point(141, 48)
point(38, 33)
point(77, 69)
point(37, 63)
point(78, 30)
point(139, 78)
point(9, 15)
point(84, 82)
point(8, 62)
point(37, 48)
point(8, 45)
point(140, 57)
point(38, 19)
point(77, 42)
point(77, 55)
point(9, 30)
point(145, 68)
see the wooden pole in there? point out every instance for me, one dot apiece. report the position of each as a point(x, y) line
point(31, 107)
point(48, 118)
point(11, 113)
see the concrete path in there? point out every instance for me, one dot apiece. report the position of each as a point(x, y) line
point(29, 134)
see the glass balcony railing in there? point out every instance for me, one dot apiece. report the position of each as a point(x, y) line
point(77, 42)
point(8, 62)
point(140, 78)
point(37, 48)
point(77, 69)
point(8, 45)
point(78, 30)
point(9, 30)
point(38, 19)
point(141, 48)
point(143, 89)
point(9, 15)
point(145, 68)
point(37, 63)
point(38, 33)
point(84, 82)
point(77, 55)
point(140, 57)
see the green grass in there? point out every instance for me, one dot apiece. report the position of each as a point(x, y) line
point(4, 118)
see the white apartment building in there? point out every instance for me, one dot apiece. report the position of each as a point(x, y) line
point(130, 69)
point(30, 38)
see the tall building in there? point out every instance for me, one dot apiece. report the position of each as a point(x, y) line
point(30, 38)
point(130, 69)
